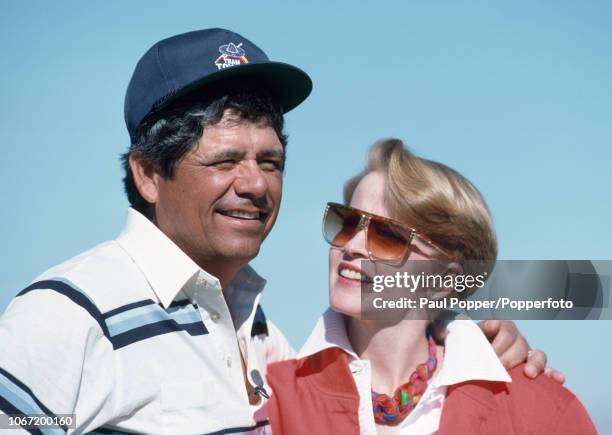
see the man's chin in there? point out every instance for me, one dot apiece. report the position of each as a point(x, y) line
point(240, 252)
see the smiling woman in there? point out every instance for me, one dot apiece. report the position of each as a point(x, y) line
point(386, 374)
point(215, 166)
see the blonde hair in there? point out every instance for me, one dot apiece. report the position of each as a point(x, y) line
point(437, 201)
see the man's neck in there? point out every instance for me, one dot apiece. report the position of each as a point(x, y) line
point(223, 271)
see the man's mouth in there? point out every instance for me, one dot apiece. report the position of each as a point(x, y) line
point(257, 215)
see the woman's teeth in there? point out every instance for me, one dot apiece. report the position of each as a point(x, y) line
point(350, 274)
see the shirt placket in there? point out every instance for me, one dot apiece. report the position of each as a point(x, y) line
point(215, 314)
point(254, 375)
point(363, 380)
point(425, 417)
point(232, 345)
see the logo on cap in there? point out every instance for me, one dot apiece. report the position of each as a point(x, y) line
point(231, 55)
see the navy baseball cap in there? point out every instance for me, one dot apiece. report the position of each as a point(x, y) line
point(202, 60)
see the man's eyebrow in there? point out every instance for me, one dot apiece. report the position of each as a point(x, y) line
point(234, 154)
point(275, 152)
point(227, 154)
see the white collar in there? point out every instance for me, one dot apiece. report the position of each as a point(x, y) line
point(468, 356)
point(330, 331)
point(167, 268)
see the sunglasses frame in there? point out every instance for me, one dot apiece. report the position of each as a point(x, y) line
point(364, 223)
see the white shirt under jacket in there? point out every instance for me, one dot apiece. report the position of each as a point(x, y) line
point(468, 356)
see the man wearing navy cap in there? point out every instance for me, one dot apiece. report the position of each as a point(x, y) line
point(160, 330)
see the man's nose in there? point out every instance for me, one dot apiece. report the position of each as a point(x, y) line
point(251, 181)
point(357, 247)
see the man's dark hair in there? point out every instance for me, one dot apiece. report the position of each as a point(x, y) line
point(164, 138)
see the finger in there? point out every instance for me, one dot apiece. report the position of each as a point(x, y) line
point(555, 374)
point(490, 327)
point(536, 363)
point(507, 335)
point(510, 346)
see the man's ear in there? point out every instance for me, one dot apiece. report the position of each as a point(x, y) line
point(145, 177)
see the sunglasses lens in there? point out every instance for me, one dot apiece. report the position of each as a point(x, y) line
point(387, 241)
point(340, 225)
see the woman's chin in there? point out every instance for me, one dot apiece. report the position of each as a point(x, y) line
point(345, 301)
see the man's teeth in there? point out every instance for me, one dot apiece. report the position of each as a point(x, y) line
point(350, 274)
point(242, 214)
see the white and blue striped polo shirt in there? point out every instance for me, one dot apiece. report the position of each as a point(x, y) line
point(132, 336)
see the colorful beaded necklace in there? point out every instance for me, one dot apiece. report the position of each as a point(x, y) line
point(392, 410)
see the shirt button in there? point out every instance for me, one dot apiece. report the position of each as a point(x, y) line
point(228, 361)
point(214, 316)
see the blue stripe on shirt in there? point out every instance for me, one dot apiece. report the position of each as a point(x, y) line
point(144, 332)
point(17, 398)
point(227, 431)
point(71, 293)
point(184, 314)
point(127, 307)
point(146, 319)
point(260, 324)
point(135, 318)
point(102, 431)
point(134, 321)
point(180, 303)
point(235, 430)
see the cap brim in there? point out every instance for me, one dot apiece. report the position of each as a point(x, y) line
point(288, 84)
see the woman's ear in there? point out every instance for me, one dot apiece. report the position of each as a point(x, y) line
point(145, 177)
point(453, 269)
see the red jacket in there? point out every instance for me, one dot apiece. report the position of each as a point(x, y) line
point(317, 395)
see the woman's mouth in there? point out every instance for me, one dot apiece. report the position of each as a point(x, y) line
point(351, 275)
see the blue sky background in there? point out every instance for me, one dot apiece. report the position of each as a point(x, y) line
point(515, 95)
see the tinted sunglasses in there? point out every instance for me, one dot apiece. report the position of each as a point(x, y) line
point(386, 239)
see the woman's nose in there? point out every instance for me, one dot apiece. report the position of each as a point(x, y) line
point(357, 247)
